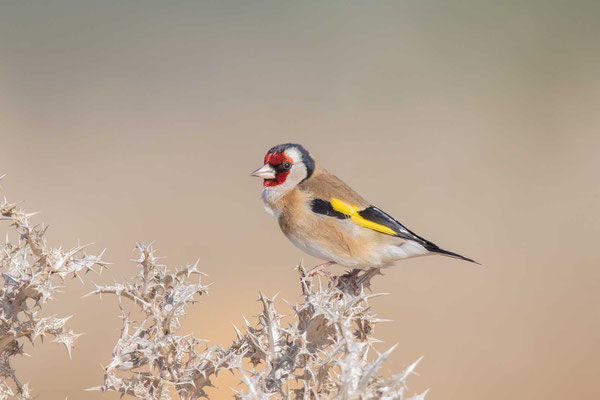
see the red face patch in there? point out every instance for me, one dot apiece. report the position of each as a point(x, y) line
point(276, 159)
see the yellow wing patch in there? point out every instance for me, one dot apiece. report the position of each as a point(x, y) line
point(352, 211)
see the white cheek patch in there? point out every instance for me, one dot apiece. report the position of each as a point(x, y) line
point(297, 175)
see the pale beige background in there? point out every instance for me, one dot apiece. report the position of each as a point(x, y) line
point(477, 124)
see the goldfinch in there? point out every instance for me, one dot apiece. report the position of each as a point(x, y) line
point(324, 217)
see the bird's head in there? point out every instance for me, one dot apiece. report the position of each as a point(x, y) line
point(286, 165)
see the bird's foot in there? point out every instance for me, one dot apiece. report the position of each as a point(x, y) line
point(320, 270)
point(353, 281)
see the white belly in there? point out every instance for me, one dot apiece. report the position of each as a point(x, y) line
point(316, 251)
point(380, 257)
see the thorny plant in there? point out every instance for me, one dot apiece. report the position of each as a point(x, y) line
point(322, 354)
point(149, 360)
point(322, 350)
point(29, 271)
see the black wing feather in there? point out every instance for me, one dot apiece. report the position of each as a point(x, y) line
point(324, 207)
point(376, 215)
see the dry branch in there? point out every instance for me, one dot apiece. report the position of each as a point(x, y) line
point(324, 353)
point(30, 272)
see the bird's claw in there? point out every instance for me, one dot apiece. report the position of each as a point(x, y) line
point(353, 282)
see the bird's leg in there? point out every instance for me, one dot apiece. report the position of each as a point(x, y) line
point(320, 269)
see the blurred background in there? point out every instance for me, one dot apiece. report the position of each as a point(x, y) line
point(476, 124)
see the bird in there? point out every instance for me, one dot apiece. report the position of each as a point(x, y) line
point(326, 218)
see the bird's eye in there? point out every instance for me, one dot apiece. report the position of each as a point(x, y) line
point(286, 165)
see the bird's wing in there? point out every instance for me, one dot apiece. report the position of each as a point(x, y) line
point(334, 198)
point(369, 217)
point(331, 197)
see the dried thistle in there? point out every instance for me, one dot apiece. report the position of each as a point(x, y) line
point(30, 269)
point(149, 360)
point(324, 352)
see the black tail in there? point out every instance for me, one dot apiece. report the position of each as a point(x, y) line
point(436, 249)
point(406, 233)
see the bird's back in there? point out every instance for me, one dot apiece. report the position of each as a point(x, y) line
point(323, 185)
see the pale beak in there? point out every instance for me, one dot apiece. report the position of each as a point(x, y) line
point(265, 172)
